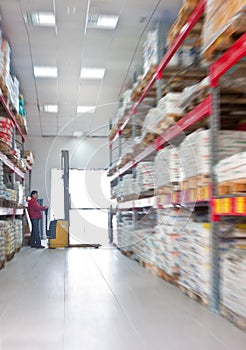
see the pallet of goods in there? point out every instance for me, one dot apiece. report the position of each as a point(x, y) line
point(231, 174)
point(224, 22)
point(233, 291)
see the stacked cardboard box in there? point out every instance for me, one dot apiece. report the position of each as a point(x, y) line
point(233, 288)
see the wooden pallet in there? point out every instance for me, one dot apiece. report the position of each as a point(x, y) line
point(225, 38)
point(196, 181)
point(194, 296)
point(2, 264)
point(161, 273)
point(10, 256)
point(232, 187)
point(4, 148)
point(237, 320)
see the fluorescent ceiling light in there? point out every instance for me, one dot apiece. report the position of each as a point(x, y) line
point(86, 109)
point(42, 19)
point(45, 72)
point(103, 21)
point(92, 73)
point(49, 108)
point(77, 133)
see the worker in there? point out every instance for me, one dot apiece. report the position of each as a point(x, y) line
point(35, 213)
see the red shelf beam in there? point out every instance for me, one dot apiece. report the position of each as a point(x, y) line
point(5, 106)
point(184, 32)
point(199, 112)
point(236, 52)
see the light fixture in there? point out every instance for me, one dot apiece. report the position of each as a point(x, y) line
point(77, 133)
point(45, 72)
point(86, 109)
point(92, 73)
point(41, 19)
point(102, 21)
point(49, 108)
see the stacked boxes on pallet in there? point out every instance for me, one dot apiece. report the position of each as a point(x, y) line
point(2, 242)
point(195, 258)
point(10, 238)
point(233, 289)
point(170, 226)
point(17, 223)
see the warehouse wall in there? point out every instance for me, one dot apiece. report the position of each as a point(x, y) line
point(84, 154)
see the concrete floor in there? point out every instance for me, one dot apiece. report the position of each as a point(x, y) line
point(79, 299)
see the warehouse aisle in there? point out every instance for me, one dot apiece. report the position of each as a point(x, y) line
point(97, 299)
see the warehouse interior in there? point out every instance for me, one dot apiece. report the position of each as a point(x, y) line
point(129, 120)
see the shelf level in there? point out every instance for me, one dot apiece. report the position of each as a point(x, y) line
point(184, 32)
point(199, 112)
point(11, 166)
point(11, 211)
point(9, 112)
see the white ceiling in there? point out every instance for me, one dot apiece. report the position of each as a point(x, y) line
point(119, 51)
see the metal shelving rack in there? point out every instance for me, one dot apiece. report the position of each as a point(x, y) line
point(220, 206)
point(15, 171)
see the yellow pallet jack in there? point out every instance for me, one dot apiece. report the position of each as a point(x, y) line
point(57, 233)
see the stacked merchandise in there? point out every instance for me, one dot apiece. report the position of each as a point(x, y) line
point(145, 176)
point(167, 167)
point(17, 224)
point(129, 185)
point(193, 92)
point(20, 193)
point(171, 224)
point(195, 258)
point(151, 50)
point(2, 243)
point(125, 231)
point(2, 186)
point(221, 15)
point(10, 238)
point(6, 131)
point(195, 150)
point(233, 289)
point(232, 168)
point(170, 111)
point(142, 232)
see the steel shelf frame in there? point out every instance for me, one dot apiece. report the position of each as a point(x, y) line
point(184, 32)
point(230, 206)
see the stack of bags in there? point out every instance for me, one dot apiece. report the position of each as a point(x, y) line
point(17, 223)
point(195, 150)
point(231, 168)
point(125, 231)
point(145, 176)
point(167, 167)
point(129, 185)
point(233, 289)
point(151, 50)
point(170, 227)
point(195, 258)
point(20, 193)
point(10, 238)
point(2, 242)
point(2, 186)
point(6, 131)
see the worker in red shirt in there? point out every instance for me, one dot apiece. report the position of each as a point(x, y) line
point(34, 210)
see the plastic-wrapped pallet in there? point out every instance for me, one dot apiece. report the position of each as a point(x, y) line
point(231, 168)
point(195, 150)
point(233, 289)
point(167, 167)
point(18, 233)
point(195, 258)
point(2, 241)
point(145, 176)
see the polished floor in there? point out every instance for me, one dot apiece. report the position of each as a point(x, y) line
point(79, 299)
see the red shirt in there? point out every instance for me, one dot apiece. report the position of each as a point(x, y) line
point(34, 209)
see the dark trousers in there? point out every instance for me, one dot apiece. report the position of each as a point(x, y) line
point(35, 236)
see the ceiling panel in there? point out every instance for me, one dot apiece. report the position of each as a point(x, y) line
point(120, 51)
